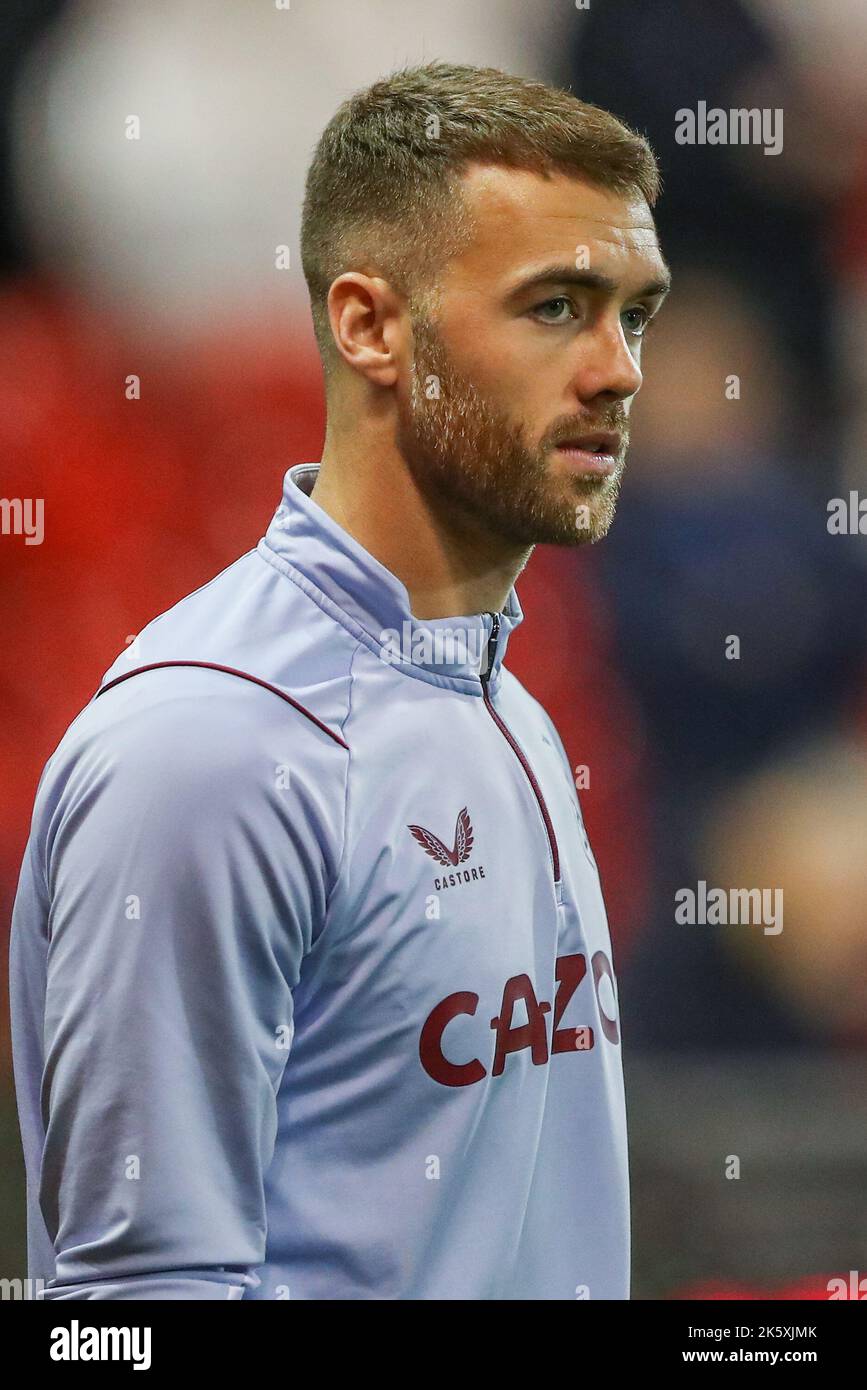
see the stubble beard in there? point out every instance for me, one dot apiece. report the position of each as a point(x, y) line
point(469, 457)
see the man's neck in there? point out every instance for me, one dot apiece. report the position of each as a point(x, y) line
point(448, 568)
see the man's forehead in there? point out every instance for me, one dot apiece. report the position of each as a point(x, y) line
point(532, 214)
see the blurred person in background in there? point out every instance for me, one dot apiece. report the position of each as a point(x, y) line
point(788, 1221)
point(800, 825)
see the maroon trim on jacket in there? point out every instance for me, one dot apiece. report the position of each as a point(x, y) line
point(230, 671)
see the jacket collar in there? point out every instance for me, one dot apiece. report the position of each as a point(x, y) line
point(373, 603)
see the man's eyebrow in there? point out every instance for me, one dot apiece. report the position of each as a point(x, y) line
point(588, 280)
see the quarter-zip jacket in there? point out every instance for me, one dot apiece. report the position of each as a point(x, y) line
point(311, 980)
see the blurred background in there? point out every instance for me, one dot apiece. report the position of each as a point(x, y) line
point(160, 257)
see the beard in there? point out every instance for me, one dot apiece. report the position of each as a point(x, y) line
point(467, 456)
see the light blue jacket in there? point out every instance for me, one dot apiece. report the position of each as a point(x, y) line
point(311, 979)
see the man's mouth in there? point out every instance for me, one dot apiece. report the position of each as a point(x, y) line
point(594, 453)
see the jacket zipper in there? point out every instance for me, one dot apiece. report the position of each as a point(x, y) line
point(485, 678)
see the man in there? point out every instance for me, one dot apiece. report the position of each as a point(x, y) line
point(312, 983)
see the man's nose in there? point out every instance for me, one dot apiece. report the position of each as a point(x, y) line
point(606, 367)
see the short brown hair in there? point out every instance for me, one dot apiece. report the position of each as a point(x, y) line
point(382, 190)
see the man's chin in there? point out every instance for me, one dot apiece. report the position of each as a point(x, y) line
point(586, 517)
point(587, 534)
point(562, 528)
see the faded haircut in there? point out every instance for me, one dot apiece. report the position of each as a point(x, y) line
point(383, 189)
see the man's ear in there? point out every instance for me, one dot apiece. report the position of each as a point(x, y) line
point(369, 324)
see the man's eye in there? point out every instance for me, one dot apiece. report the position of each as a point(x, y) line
point(557, 317)
point(641, 321)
